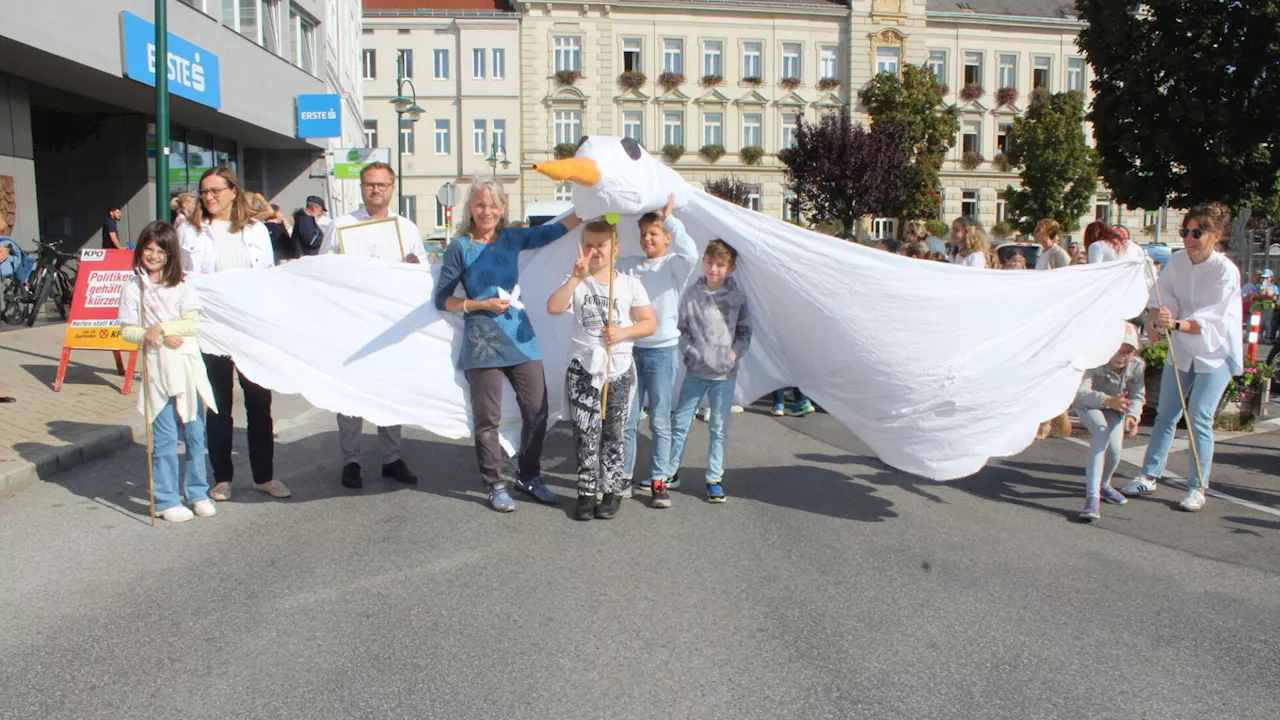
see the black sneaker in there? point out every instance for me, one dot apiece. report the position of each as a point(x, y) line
point(661, 498)
point(586, 508)
point(674, 482)
point(399, 471)
point(351, 476)
point(608, 508)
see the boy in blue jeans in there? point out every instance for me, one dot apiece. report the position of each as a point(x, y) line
point(715, 331)
point(669, 259)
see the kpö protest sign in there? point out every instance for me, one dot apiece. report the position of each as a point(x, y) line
point(92, 323)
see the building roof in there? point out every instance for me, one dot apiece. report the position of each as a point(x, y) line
point(1025, 8)
point(473, 5)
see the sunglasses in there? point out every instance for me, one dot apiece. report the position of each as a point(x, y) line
point(1197, 233)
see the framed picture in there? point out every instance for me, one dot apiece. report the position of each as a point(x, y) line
point(374, 239)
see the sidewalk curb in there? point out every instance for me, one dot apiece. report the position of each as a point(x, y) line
point(46, 463)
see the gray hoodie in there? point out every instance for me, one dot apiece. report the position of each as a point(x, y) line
point(714, 326)
point(1102, 382)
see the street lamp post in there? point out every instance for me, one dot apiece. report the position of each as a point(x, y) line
point(497, 154)
point(404, 106)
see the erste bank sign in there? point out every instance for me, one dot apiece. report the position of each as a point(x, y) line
point(192, 70)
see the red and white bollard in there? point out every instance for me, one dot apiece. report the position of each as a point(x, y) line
point(1255, 325)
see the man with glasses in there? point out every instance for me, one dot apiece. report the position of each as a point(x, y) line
point(377, 188)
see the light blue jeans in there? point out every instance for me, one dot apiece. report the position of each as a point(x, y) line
point(1204, 390)
point(164, 457)
point(720, 397)
point(656, 378)
point(1106, 440)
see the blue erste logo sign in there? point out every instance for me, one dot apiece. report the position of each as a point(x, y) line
point(192, 70)
point(319, 116)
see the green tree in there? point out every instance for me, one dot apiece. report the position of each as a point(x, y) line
point(1187, 100)
point(730, 188)
point(1059, 171)
point(913, 103)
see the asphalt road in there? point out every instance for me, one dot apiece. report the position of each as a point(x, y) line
point(829, 586)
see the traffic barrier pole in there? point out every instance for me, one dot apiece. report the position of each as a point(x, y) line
point(1255, 322)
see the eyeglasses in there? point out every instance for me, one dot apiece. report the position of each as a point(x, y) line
point(1197, 233)
point(376, 186)
point(214, 192)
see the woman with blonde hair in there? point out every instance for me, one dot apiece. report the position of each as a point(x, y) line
point(183, 205)
point(223, 235)
point(969, 243)
point(498, 339)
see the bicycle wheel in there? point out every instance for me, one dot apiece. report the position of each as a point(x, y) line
point(43, 284)
point(16, 302)
point(62, 299)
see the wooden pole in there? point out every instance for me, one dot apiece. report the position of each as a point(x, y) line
point(146, 400)
point(608, 323)
point(1173, 358)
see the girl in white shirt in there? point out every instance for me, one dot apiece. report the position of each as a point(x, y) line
point(969, 243)
point(160, 311)
point(1202, 316)
point(1104, 244)
point(602, 335)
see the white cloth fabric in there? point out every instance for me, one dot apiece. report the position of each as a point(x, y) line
point(590, 300)
point(200, 255)
point(409, 235)
point(935, 383)
point(664, 279)
point(179, 374)
point(1209, 294)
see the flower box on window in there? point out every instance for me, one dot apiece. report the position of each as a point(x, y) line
point(710, 81)
point(972, 91)
point(1006, 96)
point(1039, 95)
point(632, 80)
point(828, 84)
point(568, 77)
point(944, 88)
point(751, 154)
point(752, 80)
point(789, 83)
point(1001, 163)
point(711, 153)
point(672, 153)
point(565, 150)
point(971, 160)
point(669, 80)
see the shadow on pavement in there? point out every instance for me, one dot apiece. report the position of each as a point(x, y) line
point(1254, 522)
point(886, 476)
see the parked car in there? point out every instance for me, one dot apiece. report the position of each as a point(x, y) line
point(1029, 251)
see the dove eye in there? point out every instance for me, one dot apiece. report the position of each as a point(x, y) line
point(632, 147)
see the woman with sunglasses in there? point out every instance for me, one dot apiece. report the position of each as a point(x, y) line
point(1201, 312)
point(222, 235)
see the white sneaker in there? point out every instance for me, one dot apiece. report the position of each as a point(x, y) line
point(1193, 502)
point(704, 415)
point(176, 514)
point(221, 492)
point(736, 409)
point(275, 489)
point(1141, 485)
point(627, 489)
point(205, 508)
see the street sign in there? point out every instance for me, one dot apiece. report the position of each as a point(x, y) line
point(448, 195)
point(319, 116)
point(348, 162)
point(192, 70)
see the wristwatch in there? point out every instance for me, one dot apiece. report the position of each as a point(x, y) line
point(1177, 325)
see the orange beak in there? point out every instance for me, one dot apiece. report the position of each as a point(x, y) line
point(582, 171)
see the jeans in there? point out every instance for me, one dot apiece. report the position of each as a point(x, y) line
point(720, 395)
point(655, 377)
point(1106, 439)
point(530, 386)
point(1204, 390)
point(780, 396)
point(164, 457)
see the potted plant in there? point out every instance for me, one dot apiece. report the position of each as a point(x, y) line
point(568, 77)
point(710, 81)
point(672, 153)
point(1244, 399)
point(789, 83)
point(711, 153)
point(751, 154)
point(1039, 95)
point(1006, 96)
point(752, 80)
point(828, 84)
point(669, 80)
point(631, 80)
point(1154, 355)
point(971, 91)
point(565, 150)
point(971, 160)
point(1001, 162)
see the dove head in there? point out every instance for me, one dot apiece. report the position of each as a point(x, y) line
point(616, 175)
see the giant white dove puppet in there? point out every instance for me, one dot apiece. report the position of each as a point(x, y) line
point(937, 368)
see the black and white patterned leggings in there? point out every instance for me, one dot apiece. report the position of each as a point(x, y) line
point(599, 444)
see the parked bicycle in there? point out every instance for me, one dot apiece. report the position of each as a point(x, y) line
point(49, 280)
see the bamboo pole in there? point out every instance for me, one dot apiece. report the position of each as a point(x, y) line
point(608, 323)
point(146, 399)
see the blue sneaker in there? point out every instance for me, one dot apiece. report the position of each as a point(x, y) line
point(715, 493)
point(802, 409)
point(1090, 512)
point(1113, 496)
point(779, 410)
point(500, 499)
point(538, 490)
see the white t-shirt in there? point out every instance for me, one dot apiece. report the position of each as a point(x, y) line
point(973, 259)
point(589, 301)
point(230, 250)
point(1101, 252)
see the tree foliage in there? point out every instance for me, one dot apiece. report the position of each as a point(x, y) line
point(730, 188)
point(1059, 171)
point(913, 102)
point(1187, 100)
point(839, 171)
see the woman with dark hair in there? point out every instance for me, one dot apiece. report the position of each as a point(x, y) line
point(160, 312)
point(498, 340)
point(222, 235)
point(1201, 311)
point(1104, 243)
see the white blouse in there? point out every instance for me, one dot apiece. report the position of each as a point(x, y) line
point(177, 374)
point(1209, 294)
point(973, 259)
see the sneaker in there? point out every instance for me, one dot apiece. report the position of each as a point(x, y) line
point(661, 498)
point(538, 490)
point(205, 508)
point(645, 485)
point(176, 514)
point(735, 409)
point(399, 471)
point(715, 493)
point(351, 476)
point(608, 509)
point(1090, 511)
point(673, 483)
point(778, 410)
point(802, 409)
point(1141, 485)
point(1113, 496)
point(626, 491)
point(220, 492)
point(500, 499)
point(274, 488)
point(703, 414)
point(586, 507)
point(1193, 502)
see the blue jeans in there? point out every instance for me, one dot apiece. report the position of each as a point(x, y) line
point(780, 396)
point(164, 457)
point(720, 396)
point(655, 377)
point(1106, 440)
point(1204, 390)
